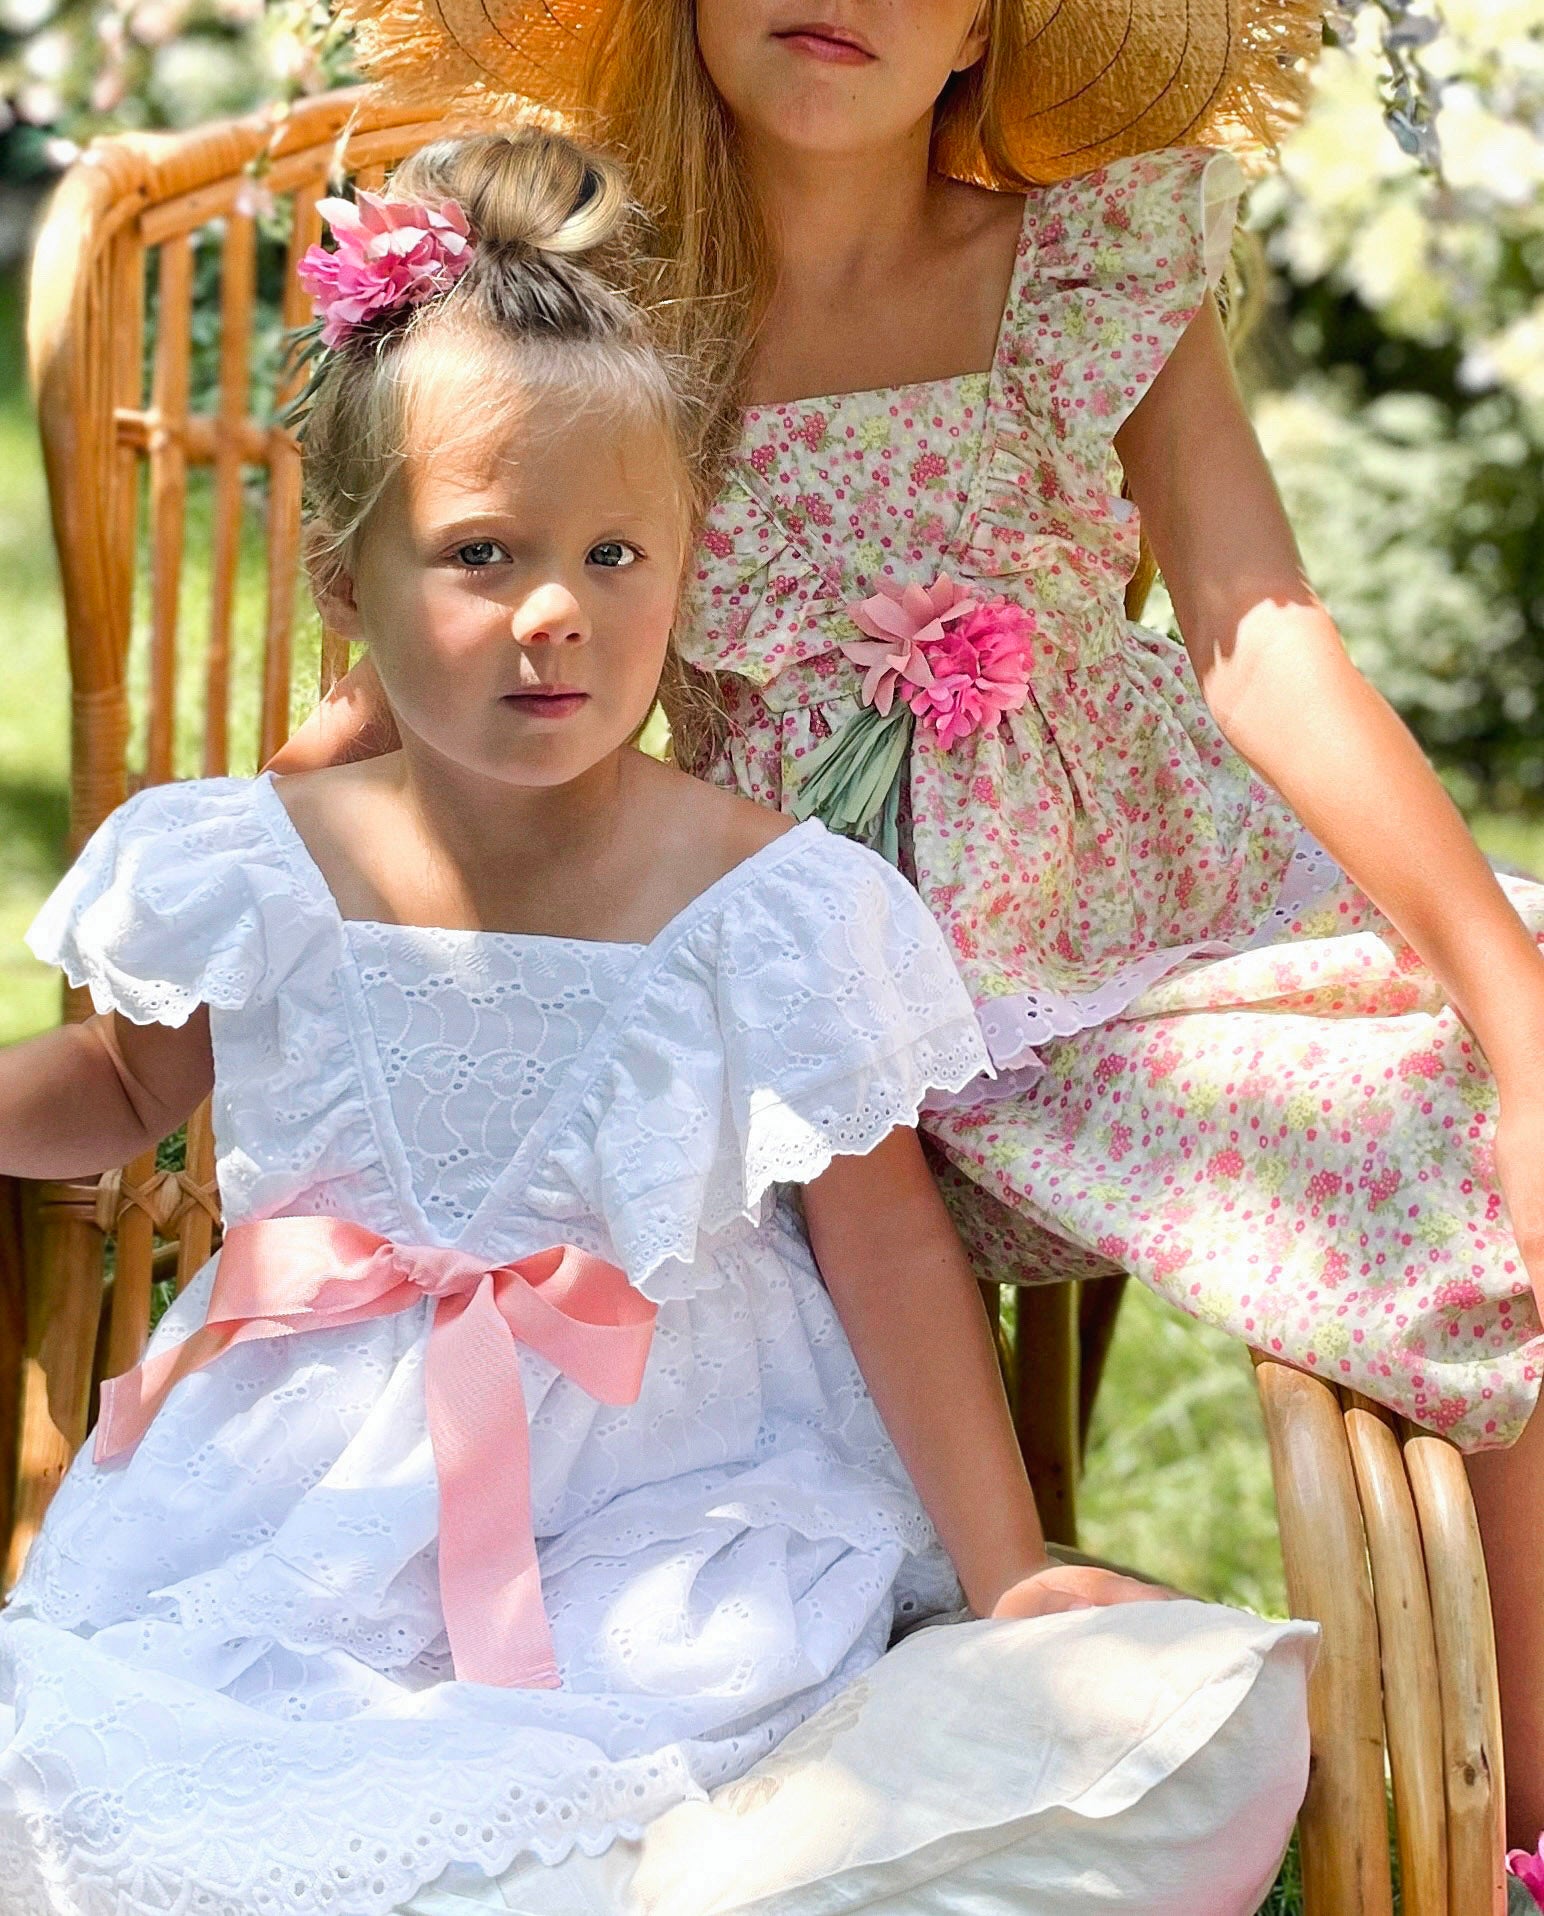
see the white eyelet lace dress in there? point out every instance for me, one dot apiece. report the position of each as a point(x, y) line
point(225, 1686)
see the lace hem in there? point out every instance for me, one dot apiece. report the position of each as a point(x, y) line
point(1015, 1026)
point(315, 1838)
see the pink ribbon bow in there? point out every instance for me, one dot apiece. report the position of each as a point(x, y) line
point(283, 1275)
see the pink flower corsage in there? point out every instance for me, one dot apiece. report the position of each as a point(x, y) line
point(931, 655)
point(958, 662)
point(390, 254)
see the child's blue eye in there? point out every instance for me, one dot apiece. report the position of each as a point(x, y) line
point(610, 552)
point(480, 552)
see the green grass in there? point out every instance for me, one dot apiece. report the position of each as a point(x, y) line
point(34, 720)
point(1178, 1481)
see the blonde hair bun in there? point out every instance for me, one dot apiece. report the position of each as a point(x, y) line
point(524, 190)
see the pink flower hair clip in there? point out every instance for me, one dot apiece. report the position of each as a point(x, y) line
point(389, 254)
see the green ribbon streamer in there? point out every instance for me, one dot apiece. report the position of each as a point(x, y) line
point(852, 780)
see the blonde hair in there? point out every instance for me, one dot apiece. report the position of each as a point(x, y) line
point(649, 98)
point(541, 303)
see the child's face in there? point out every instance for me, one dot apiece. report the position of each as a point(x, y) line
point(518, 595)
point(835, 76)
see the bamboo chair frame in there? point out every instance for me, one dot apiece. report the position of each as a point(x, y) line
point(1378, 1531)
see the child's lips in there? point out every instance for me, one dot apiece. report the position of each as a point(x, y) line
point(546, 701)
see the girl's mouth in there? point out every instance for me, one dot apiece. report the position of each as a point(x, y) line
point(823, 42)
point(546, 702)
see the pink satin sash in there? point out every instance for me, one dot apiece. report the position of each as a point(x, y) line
point(288, 1274)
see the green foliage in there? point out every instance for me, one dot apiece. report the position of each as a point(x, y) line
point(1400, 386)
point(1178, 1482)
point(74, 68)
point(1418, 522)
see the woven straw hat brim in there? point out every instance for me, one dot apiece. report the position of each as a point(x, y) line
point(1086, 62)
point(531, 50)
point(1105, 78)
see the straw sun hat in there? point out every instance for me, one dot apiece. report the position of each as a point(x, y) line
point(1105, 78)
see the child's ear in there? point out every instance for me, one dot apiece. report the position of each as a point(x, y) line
point(974, 45)
point(332, 587)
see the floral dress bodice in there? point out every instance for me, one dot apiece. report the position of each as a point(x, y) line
point(1103, 834)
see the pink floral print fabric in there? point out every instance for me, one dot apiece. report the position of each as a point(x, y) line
point(1225, 1072)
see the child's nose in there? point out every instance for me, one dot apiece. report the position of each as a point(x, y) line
point(550, 615)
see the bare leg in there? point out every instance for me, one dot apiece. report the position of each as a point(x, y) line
point(1508, 1488)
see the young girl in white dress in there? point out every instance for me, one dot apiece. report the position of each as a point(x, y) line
point(513, 1035)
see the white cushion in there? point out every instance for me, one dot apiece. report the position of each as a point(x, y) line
point(1145, 1758)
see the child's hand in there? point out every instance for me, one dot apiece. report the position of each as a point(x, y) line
point(1075, 1586)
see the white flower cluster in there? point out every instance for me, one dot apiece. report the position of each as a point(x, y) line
point(1454, 258)
point(1410, 91)
point(85, 66)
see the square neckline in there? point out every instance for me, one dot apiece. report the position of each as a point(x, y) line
point(645, 962)
point(286, 834)
point(1022, 252)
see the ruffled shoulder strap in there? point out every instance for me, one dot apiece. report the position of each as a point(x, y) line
point(804, 1011)
point(841, 1010)
point(1114, 266)
point(187, 895)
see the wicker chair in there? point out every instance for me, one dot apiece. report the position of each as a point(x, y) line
point(1378, 1531)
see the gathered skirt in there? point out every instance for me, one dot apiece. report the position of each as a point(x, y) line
point(1295, 1143)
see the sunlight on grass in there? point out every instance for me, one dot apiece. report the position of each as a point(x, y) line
point(1178, 1482)
point(1513, 843)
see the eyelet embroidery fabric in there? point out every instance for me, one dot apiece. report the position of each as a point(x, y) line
point(224, 1681)
point(471, 1047)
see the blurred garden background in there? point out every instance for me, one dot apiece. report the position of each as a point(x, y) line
point(1396, 374)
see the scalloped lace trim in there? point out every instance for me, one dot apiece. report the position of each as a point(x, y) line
point(168, 1840)
point(1015, 1026)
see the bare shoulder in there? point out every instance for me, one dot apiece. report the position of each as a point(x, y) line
point(704, 831)
point(742, 827)
point(331, 794)
point(340, 813)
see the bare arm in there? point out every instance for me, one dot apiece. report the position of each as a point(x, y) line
point(90, 1096)
point(352, 722)
point(903, 1288)
point(1277, 678)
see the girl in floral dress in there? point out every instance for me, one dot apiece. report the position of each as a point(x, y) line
point(1270, 1034)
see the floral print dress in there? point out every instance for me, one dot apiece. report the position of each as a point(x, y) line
point(1219, 1067)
